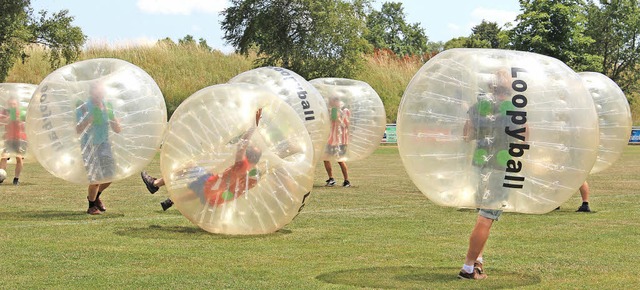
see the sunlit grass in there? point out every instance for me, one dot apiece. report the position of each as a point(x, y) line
point(380, 233)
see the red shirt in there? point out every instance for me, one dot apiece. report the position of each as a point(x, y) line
point(14, 129)
point(230, 184)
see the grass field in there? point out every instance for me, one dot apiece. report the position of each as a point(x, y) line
point(380, 233)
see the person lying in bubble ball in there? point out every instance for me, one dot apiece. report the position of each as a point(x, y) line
point(217, 188)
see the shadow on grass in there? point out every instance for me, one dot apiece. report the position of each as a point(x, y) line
point(425, 278)
point(553, 212)
point(50, 215)
point(187, 233)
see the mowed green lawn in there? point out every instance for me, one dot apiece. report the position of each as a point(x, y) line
point(380, 233)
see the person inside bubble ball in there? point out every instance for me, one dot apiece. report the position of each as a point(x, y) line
point(338, 139)
point(94, 119)
point(214, 188)
point(15, 137)
point(485, 126)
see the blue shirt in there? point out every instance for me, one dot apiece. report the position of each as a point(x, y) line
point(98, 130)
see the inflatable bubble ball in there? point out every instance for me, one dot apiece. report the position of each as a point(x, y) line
point(614, 118)
point(299, 94)
point(237, 160)
point(357, 118)
point(96, 121)
point(497, 129)
point(14, 100)
point(3, 175)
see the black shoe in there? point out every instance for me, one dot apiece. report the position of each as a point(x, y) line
point(148, 181)
point(330, 182)
point(477, 266)
point(584, 208)
point(166, 204)
point(475, 275)
point(16, 182)
point(346, 183)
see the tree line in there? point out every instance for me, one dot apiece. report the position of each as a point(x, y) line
point(327, 38)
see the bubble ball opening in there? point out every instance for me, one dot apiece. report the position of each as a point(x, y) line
point(212, 184)
point(303, 97)
point(14, 100)
point(357, 118)
point(614, 118)
point(96, 121)
point(497, 129)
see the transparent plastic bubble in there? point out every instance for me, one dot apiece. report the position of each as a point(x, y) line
point(497, 129)
point(614, 118)
point(356, 115)
point(299, 94)
point(96, 121)
point(14, 100)
point(211, 182)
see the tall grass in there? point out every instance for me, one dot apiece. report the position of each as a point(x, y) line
point(389, 76)
point(180, 71)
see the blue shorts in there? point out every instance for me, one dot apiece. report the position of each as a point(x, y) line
point(493, 214)
point(197, 186)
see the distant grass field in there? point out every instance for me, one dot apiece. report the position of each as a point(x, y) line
point(380, 233)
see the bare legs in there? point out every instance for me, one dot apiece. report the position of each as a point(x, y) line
point(478, 239)
point(584, 192)
point(343, 168)
point(18, 169)
point(92, 192)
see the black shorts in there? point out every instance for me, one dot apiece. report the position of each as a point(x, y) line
point(15, 147)
point(336, 150)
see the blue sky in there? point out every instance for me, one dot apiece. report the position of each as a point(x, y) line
point(127, 22)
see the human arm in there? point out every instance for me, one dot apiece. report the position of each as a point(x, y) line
point(4, 115)
point(244, 143)
point(467, 130)
point(115, 125)
point(113, 121)
point(244, 139)
point(346, 116)
point(83, 119)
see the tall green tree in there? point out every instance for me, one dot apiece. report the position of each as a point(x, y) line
point(485, 35)
point(554, 28)
point(615, 27)
point(19, 27)
point(202, 43)
point(388, 29)
point(187, 41)
point(314, 38)
point(457, 42)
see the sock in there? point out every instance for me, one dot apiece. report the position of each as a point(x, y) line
point(480, 260)
point(467, 268)
point(92, 203)
point(585, 203)
point(15, 179)
point(99, 193)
